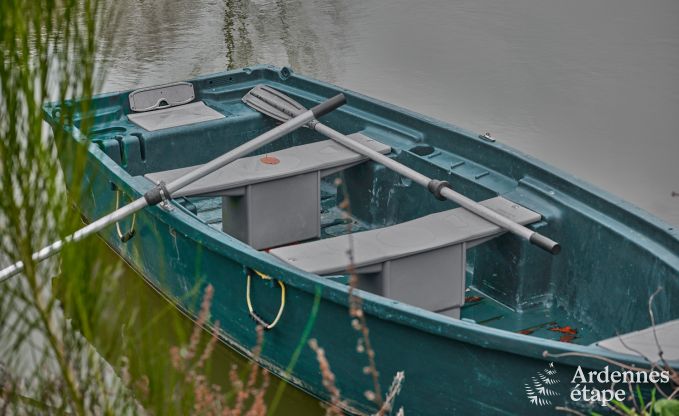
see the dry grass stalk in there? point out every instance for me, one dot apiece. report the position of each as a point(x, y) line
point(249, 390)
point(208, 399)
point(356, 307)
point(394, 390)
point(364, 345)
point(336, 404)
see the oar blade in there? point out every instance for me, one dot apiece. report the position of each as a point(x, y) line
point(273, 103)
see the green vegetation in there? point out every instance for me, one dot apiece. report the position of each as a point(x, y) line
point(71, 342)
point(59, 326)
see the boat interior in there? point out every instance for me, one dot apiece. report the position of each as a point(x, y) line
point(300, 198)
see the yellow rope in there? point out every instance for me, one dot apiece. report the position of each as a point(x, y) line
point(124, 237)
point(251, 309)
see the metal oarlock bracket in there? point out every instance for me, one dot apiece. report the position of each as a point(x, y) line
point(159, 195)
point(166, 205)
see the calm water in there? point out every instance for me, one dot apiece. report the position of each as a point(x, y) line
point(590, 86)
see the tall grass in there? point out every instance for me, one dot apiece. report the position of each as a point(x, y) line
point(58, 326)
point(47, 51)
point(52, 314)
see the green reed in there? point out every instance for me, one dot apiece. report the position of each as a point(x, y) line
point(72, 340)
point(65, 347)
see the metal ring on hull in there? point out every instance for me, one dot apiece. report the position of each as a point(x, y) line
point(254, 315)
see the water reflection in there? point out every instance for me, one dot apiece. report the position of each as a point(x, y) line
point(239, 49)
point(309, 35)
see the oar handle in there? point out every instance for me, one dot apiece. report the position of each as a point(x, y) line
point(328, 105)
point(545, 243)
point(500, 220)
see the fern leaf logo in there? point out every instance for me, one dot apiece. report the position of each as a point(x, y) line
point(537, 389)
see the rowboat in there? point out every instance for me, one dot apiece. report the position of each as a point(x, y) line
point(472, 314)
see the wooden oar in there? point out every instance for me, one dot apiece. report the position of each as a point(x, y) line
point(163, 192)
point(277, 105)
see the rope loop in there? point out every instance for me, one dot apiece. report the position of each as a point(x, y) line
point(124, 237)
point(253, 314)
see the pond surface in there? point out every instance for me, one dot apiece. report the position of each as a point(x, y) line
point(591, 87)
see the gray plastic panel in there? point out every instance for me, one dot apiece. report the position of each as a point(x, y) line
point(177, 116)
point(161, 96)
point(273, 213)
point(644, 342)
point(319, 156)
point(328, 256)
point(433, 280)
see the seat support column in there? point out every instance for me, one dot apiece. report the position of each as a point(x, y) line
point(432, 280)
point(275, 213)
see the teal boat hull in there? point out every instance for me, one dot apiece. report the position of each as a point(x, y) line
point(614, 255)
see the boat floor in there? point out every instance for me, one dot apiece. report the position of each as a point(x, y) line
point(547, 322)
point(541, 321)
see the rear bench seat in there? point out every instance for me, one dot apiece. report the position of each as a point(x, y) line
point(268, 205)
point(420, 262)
point(644, 342)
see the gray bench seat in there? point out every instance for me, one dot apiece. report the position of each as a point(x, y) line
point(326, 157)
point(643, 341)
point(267, 205)
point(421, 262)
